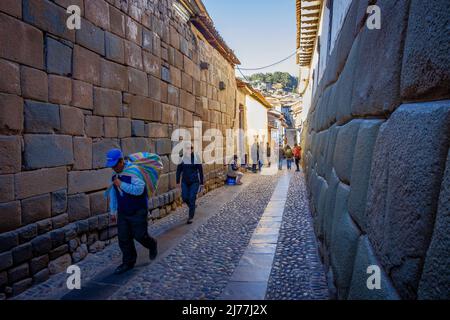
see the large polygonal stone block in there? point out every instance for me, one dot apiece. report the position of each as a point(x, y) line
point(435, 280)
point(78, 207)
point(98, 203)
point(330, 202)
point(47, 16)
point(114, 48)
point(107, 102)
point(72, 120)
point(10, 215)
point(376, 80)
point(117, 21)
point(26, 42)
point(137, 82)
point(59, 89)
point(111, 129)
point(30, 183)
point(344, 150)
point(137, 128)
point(10, 154)
point(132, 145)
point(36, 208)
point(113, 75)
point(133, 55)
point(351, 26)
point(99, 150)
point(409, 159)
point(330, 108)
point(58, 150)
point(6, 187)
point(92, 180)
point(12, 7)
point(41, 117)
point(426, 58)
point(359, 290)
point(163, 146)
point(91, 37)
point(82, 94)
point(94, 126)
point(86, 65)
point(329, 150)
point(82, 151)
point(321, 202)
point(318, 187)
point(322, 109)
point(97, 11)
point(10, 80)
point(124, 127)
point(34, 83)
point(59, 202)
point(58, 57)
point(141, 108)
point(343, 92)
point(344, 240)
point(362, 162)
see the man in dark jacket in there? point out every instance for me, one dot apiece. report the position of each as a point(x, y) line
point(190, 172)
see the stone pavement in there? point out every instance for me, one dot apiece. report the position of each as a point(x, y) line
point(249, 280)
point(297, 272)
point(246, 242)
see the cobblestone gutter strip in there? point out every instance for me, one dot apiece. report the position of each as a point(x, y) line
point(297, 272)
point(201, 266)
point(94, 264)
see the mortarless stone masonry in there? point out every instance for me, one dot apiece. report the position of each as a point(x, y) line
point(376, 145)
point(128, 78)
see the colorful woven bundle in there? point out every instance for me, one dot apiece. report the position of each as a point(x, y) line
point(145, 166)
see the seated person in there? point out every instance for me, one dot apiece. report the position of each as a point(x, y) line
point(233, 170)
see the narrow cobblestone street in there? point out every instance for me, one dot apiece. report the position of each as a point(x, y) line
point(252, 241)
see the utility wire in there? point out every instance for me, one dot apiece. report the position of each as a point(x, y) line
point(270, 65)
point(242, 74)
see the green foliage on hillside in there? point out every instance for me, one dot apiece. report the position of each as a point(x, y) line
point(289, 82)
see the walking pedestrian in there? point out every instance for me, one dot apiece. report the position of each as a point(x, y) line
point(128, 201)
point(190, 172)
point(256, 162)
point(297, 155)
point(280, 157)
point(289, 156)
point(258, 156)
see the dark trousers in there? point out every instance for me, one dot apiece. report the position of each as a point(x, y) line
point(129, 227)
point(297, 163)
point(189, 196)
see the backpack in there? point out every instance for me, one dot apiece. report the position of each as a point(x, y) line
point(145, 166)
point(297, 152)
point(288, 153)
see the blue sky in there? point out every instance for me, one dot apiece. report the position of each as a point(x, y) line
point(259, 31)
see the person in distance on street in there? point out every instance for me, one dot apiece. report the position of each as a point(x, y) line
point(190, 173)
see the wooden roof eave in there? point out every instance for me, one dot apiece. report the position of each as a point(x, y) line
point(209, 35)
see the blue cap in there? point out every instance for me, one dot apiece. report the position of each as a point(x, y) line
point(112, 157)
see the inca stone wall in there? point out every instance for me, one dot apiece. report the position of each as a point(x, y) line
point(127, 78)
point(377, 153)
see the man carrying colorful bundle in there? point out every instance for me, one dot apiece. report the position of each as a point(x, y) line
point(128, 196)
